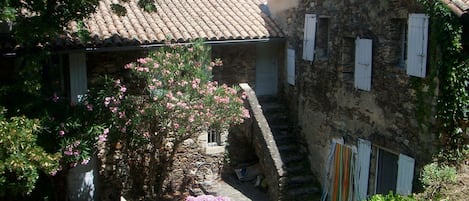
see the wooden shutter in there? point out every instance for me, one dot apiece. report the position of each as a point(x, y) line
point(291, 66)
point(417, 40)
point(363, 51)
point(362, 169)
point(309, 37)
point(78, 79)
point(405, 175)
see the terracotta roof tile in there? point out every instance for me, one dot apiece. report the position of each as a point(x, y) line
point(459, 7)
point(180, 20)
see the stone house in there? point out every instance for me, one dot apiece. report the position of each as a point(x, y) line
point(358, 85)
point(239, 32)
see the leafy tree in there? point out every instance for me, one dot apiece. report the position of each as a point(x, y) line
point(21, 158)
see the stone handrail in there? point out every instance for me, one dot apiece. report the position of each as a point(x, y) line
point(265, 146)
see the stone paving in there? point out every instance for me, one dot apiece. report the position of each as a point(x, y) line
point(230, 186)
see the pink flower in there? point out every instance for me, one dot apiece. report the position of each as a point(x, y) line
point(169, 106)
point(123, 89)
point(121, 115)
point(246, 113)
point(85, 161)
point(142, 60)
point(113, 109)
point(102, 138)
point(128, 66)
point(68, 153)
point(61, 133)
point(107, 100)
point(55, 98)
point(191, 118)
point(105, 131)
point(89, 107)
point(176, 126)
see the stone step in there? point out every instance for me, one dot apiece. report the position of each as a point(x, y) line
point(295, 169)
point(302, 190)
point(289, 158)
point(277, 119)
point(301, 180)
point(280, 136)
point(287, 148)
point(307, 196)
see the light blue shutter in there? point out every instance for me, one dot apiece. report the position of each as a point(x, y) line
point(362, 169)
point(363, 51)
point(417, 40)
point(309, 37)
point(78, 79)
point(405, 175)
point(291, 66)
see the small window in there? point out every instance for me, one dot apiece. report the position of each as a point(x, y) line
point(403, 43)
point(322, 43)
point(214, 137)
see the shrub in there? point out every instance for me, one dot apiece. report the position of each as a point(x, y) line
point(391, 197)
point(21, 158)
point(435, 177)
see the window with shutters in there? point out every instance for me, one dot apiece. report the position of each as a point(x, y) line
point(291, 66)
point(309, 37)
point(322, 42)
point(417, 41)
point(390, 171)
point(363, 64)
point(368, 169)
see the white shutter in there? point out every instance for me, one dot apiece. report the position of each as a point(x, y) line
point(291, 66)
point(309, 37)
point(363, 51)
point(362, 169)
point(417, 45)
point(405, 175)
point(78, 79)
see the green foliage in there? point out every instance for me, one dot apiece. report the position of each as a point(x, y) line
point(435, 177)
point(37, 22)
point(435, 174)
point(21, 158)
point(453, 74)
point(391, 197)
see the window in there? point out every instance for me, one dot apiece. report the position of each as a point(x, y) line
point(354, 172)
point(291, 66)
point(417, 40)
point(309, 37)
point(322, 43)
point(213, 141)
point(213, 137)
point(403, 44)
point(363, 64)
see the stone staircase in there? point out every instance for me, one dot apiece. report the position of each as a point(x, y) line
point(300, 183)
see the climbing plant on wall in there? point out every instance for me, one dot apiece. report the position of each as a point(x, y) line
point(452, 66)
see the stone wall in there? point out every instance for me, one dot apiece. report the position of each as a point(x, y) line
point(261, 144)
point(394, 114)
point(239, 63)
